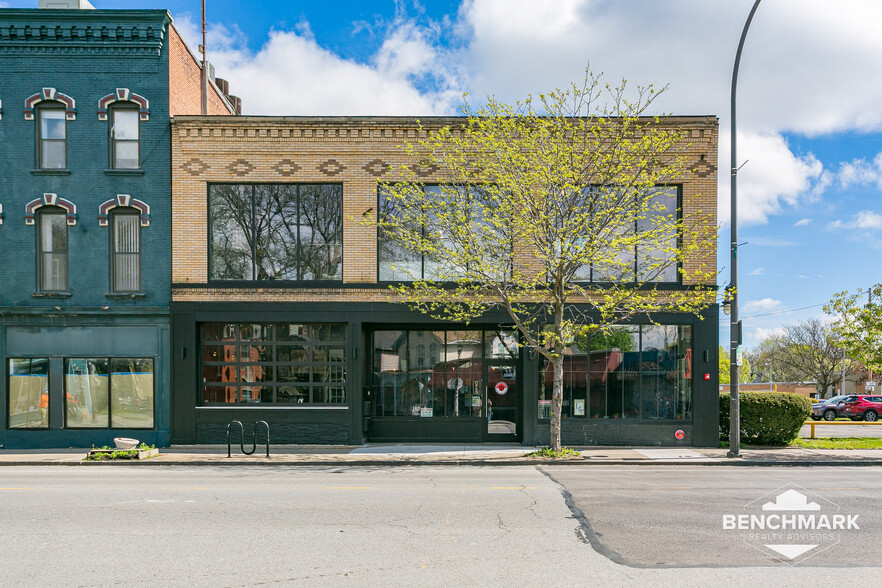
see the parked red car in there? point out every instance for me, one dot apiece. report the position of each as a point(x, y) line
point(867, 408)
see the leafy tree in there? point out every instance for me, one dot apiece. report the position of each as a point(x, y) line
point(809, 351)
point(859, 325)
point(744, 371)
point(613, 339)
point(540, 201)
point(766, 364)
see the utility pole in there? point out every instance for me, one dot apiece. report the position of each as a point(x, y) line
point(204, 103)
point(735, 324)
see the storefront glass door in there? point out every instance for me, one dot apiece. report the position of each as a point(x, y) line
point(503, 411)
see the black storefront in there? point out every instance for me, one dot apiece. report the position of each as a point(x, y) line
point(350, 373)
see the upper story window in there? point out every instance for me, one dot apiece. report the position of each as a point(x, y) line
point(641, 262)
point(125, 251)
point(52, 136)
point(399, 263)
point(275, 232)
point(124, 137)
point(52, 250)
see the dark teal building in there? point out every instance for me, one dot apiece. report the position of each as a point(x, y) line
point(85, 224)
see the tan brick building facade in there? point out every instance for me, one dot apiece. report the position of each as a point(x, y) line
point(357, 152)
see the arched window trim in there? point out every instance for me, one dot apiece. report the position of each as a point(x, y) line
point(124, 201)
point(124, 95)
point(51, 95)
point(49, 199)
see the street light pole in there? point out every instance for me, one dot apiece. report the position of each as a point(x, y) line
point(735, 324)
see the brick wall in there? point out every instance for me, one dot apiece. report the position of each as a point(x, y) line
point(185, 81)
point(87, 68)
point(356, 152)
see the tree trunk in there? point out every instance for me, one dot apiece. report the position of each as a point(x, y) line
point(556, 402)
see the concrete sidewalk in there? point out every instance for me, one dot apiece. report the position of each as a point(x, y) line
point(452, 454)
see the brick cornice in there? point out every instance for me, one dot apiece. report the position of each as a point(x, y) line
point(86, 32)
point(355, 128)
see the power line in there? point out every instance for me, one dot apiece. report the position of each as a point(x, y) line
point(783, 311)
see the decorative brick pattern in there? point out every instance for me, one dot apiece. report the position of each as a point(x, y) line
point(376, 167)
point(286, 168)
point(424, 169)
point(240, 168)
point(195, 167)
point(331, 168)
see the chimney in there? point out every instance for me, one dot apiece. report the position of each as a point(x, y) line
point(67, 4)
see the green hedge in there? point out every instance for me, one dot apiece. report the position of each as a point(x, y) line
point(767, 418)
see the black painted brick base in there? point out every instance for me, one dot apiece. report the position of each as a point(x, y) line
point(583, 432)
point(280, 434)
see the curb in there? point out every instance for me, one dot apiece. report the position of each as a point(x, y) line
point(436, 463)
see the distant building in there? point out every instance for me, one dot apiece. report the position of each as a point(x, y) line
point(85, 220)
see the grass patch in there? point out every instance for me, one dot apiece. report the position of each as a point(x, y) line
point(839, 443)
point(548, 453)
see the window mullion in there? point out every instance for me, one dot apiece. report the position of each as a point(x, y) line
point(254, 234)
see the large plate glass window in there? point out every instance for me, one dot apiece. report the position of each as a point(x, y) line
point(643, 263)
point(273, 363)
point(440, 374)
point(399, 263)
point(28, 391)
point(630, 372)
point(109, 393)
point(276, 232)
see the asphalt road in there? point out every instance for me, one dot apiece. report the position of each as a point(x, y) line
point(403, 526)
point(673, 516)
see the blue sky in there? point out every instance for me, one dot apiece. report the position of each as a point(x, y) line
point(810, 100)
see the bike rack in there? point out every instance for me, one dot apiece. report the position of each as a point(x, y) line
point(242, 438)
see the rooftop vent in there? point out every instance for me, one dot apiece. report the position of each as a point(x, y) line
point(67, 4)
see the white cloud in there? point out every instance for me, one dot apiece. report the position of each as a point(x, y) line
point(762, 305)
point(803, 70)
point(861, 171)
point(801, 57)
point(759, 333)
point(292, 75)
point(865, 220)
point(757, 272)
point(802, 222)
point(772, 177)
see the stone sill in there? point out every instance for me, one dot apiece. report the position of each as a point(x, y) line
point(50, 172)
point(124, 172)
point(52, 294)
point(124, 295)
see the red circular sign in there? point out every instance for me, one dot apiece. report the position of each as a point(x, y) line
point(501, 388)
point(679, 434)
